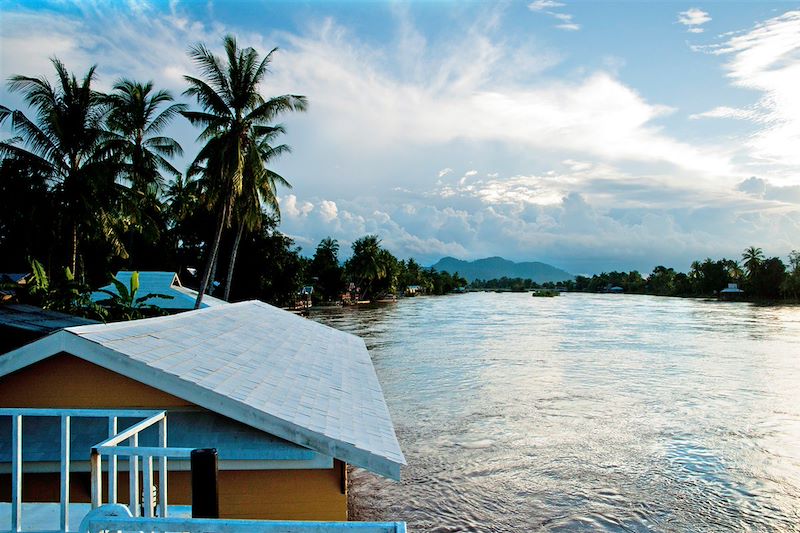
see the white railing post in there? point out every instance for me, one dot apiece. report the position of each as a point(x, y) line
point(133, 476)
point(16, 472)
point(65, 453)
point(147, 486)
point(96, 461)
point(162, 469)
point(112, 463)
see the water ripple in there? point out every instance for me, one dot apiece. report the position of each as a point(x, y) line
point(585, 413)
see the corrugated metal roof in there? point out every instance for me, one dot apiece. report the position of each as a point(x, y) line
point(288, 376)
point(153, 282)
point(31, 318)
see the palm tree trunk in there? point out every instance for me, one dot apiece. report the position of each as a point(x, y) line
point(210, 287)
point(73, 252)
point(232, 262)
point(212, 253)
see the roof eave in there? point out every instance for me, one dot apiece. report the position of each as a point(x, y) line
point(89, 350)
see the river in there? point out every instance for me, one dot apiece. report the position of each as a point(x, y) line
point(585, 412)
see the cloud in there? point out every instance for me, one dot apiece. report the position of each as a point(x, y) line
point(761, 188)
point(546, 6)
point(694, 18)
point(444, 172)
point(726, 112)
point(328, 210)
point(292, 209)
point(766, 59)
point(541, 5)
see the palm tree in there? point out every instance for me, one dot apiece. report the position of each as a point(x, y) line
point(135, 116)
point(234, 116)
point(259, 188)
point(366, 265)
point(69, 143)
point(752, 258)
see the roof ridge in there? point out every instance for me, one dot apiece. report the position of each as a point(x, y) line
point(78, 330)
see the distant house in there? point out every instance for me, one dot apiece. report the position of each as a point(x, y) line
point(413, 290)
point(166, 283)
point(10, 281)
point(287, 402)
point(616, 290)
point(731, 292)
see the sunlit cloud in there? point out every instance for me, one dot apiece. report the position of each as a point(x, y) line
point(767, 59)
point(694, 18)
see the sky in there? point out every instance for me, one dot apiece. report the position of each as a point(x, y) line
point(589, 135)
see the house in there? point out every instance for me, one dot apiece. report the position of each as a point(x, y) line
point(287, 402)
point(10, 281)
point(616, 290)
point(22, 323)
point(731, 292)
point(413, 290)
point(166, 283)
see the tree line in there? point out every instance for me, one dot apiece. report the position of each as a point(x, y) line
point(760, 277)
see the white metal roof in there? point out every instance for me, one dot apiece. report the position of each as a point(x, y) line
point(154, 282)
point(283, 374)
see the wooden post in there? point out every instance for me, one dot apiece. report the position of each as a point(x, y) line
point(205, 493)
point(16, 473)
point(97, 479)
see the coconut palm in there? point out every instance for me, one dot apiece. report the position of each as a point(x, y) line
point(752, 258)
point(69, 143)
point(259, 188)
point(234, 116)
point(367, 264)
point(137, 114)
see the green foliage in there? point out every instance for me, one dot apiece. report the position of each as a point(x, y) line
point(125, 304)
point(326, 272)
point(64, 294)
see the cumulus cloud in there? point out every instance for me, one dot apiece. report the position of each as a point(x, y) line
point(328, 210)
point(444, 172)
point(694, 18)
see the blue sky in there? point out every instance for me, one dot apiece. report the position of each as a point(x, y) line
point(590, 135)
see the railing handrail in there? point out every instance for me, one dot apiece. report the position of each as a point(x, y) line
point(112, 518)
point(131, 431)
point(78, 413)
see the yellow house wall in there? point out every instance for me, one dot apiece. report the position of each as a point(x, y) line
point(65, 381)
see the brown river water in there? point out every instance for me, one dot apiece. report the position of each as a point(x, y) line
point(585, 412)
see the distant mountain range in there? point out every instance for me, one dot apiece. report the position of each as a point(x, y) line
point(497, 267)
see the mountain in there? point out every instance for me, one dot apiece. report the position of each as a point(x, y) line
point(497, 267)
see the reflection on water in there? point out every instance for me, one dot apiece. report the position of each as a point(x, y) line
point(585, 412)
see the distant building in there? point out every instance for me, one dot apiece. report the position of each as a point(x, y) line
point(10, 282)
point(616, 289)
point(731, 292)
point(166, 283)
point(413, 290)
point(287, 402)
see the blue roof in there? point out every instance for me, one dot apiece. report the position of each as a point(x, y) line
point(166, 283)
